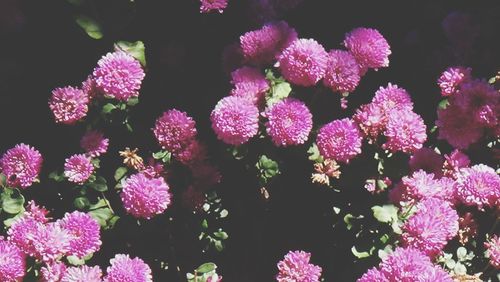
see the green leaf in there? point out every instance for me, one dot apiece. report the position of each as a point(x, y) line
point(386, 213)
point(278, 92)
point(3, 180)
point(359, 255)
point(443, 104)
point(120, 173)
point(204, 224)
point(102, 215)
point(129, 127)
point(100, 184)
point(81, 203)
point(218, 245)
point(96, 163)
point(166, 159)
point(461, 253)
point(108, 108)
point(74, 260)
point(12, 201)
point(206, 267)
point(160, 155)
point(133, 101)
point(314, 154)
point(459, 269)
point(221, 235)
point(57, 177)
point(90, 26)
point(134, 49)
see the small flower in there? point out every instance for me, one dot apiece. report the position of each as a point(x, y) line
point(78, 168)
point(369, 47)
point(323, 171)
point(119, 75)
point(456, 127)
point(21, 165)
point(371, 119)
point(339, 140)
point(82, 273)
point(23, 233)
point(295, 267)
point(12, 262)
point(124, 269)
point(132, 159)
point(249, 83)
point(304, 62)
point(85, 233)
point(68, 104)
point(479, 185)
point(405, 131)
point(94, 143)
point(174, 130)
point(454, 162)
point(392, 98)
point(342, 72)
point(90, 88)
point(53, 272)
point(213, 5)
point(36, 212)
point(493, 246)
point(422, 185)
point(195, 152)
point(452, 79)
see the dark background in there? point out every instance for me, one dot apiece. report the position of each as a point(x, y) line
point(42, 48)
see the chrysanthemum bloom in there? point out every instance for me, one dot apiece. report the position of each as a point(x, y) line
point(369, 47)
point(454, 162)
point(431, 226)
point(84, 229)
point(235, 120)
point(249, 83)
point(174, 130)
point(78, 168)
point(371, 119)
point(89, 87)
point(125, 269)
point(21, 165)
point(342, 72)
point(452, 78)
point(481, 101)
point(493, 246)
point(82, 273)
point(295, 267)
point(50, 242)
point(372, 275)
point(68, 104)
point(392, 98)
point(422, 185)
point(339, 140)
point(428, 160)
point(479, 185)
point(145, 197)
point(36, 212)
point(23, 233)
point(119, 75)
point(53, 272)
point(303, 62)
point(212, 5)
point(260, 47)
point(289, 122)
point(457, 127)
point(12, 262)
point(405, 131)
point(94, 143)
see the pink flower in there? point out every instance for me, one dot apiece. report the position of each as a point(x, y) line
point(86, 238)
point(145, 197)
point(454, 162)
point(50, 242)
point(94, 143)
point(261, 47)
point(119, 75)
point(339, 140)
point(193, 153)
point(457, 127)
point(405, 131)
point(493, 246)
point(428, 160)
point(295, 267)
point(235, 120)
point(125, 269)
point(421, 185)
point(23, 233)
point(392, 98)
point(53, 272)
point(481, 101)
point(36, 212)
point(452, 79)
point(21, 165)
point(289, 122)
point(68, 104)
point(303, 62)
point(249, 83)
point(213, 5)
point(12, 262)
point(89, 87)
point(174, 130)
point(431, 227)
point(369, 47)
point(82, 273)
point(78, 168)
point(479, 185)
point(371, 119)
point(342, 72)
point(373, 275)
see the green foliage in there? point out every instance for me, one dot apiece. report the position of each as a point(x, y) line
point(100, 184)
point(205, 272)
point(90, 26)
point(102, 212)
point(267, 169)
point(385, 213)
point(120, 173)
point(12, 201)
point(280, 89)
point(134, 49)
point(163, 155)
point(314, 154)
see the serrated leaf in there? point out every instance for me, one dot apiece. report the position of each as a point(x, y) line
point(120, 173)
point(134, 49)
point(450, 263)
point(459, 269)
point(206, 267)
point(278, 92)
point(90, 26)
point(314, 154)
point(443, 104)
point(58, 177)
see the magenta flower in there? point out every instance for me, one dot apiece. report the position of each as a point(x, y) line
point(392, 98)
point(369, 47)
point(457, 127)
point(119, 75)
point(452, 79)
point(479, 185)
point(174, 130)
point(50, 242)
point(431, 227)
point(194, 152)
point(82, 273)
point(12, 262)
point(21, 165)
point(493, 248)
point(125, 269)
point(36, 212)
point(53, 272)
point(23, 233)
point(84, 230)
point(454, 162)
point(235, 120)
point(145, 197)
point(372, 275)
point(371, 119)
point(261, 47)
point(339, 140)
point(427, 160)
point(68, 104)
point(78, 168)
point(342, 72)
point(295, 267)
point(212, 5)
point(289, 122)
point(94, 143)
point(422, 185)
point(90, 88)
point(405, 131)
point(481, 101)
point(303, 62)
point(249, 83)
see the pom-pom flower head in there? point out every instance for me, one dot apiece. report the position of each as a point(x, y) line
point(235, 120)
point(21, 165)
point(12, 262)
point(125, 269)
point(342, 72)
point(94, 143)
point(369, 47)
point(339, 140)
point(479, 185)
point(50, 242)
point(119, 75)
point(85, 233)
point(145, 197)
point(493, 247)
point(452, 78)
point(68, 104)
point(295, 267)
point(52, 272)
point(82, 273)
point(392, 98)
point(174, 130)
point(249, 83)
point(212, 5)
point(78, 168)
point(303, 62)
point(289, 122)
point(405, 131)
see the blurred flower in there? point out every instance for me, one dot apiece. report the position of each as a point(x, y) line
point(12, 262)
point(213, 5)
point(342, 72)
point(456, 127)
point(295, 267)
point(89, 87)
point(94, 143)
point(249, 83)
point(52, 272)
point(21, 165)
point(123, 268)
point(454, 162)
point(422, 185)
point(339, 140)
point(84, 230)
point(427, 160)
point(68, 104)
point(479, 100)
point(78, 168)
point(493, 247)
